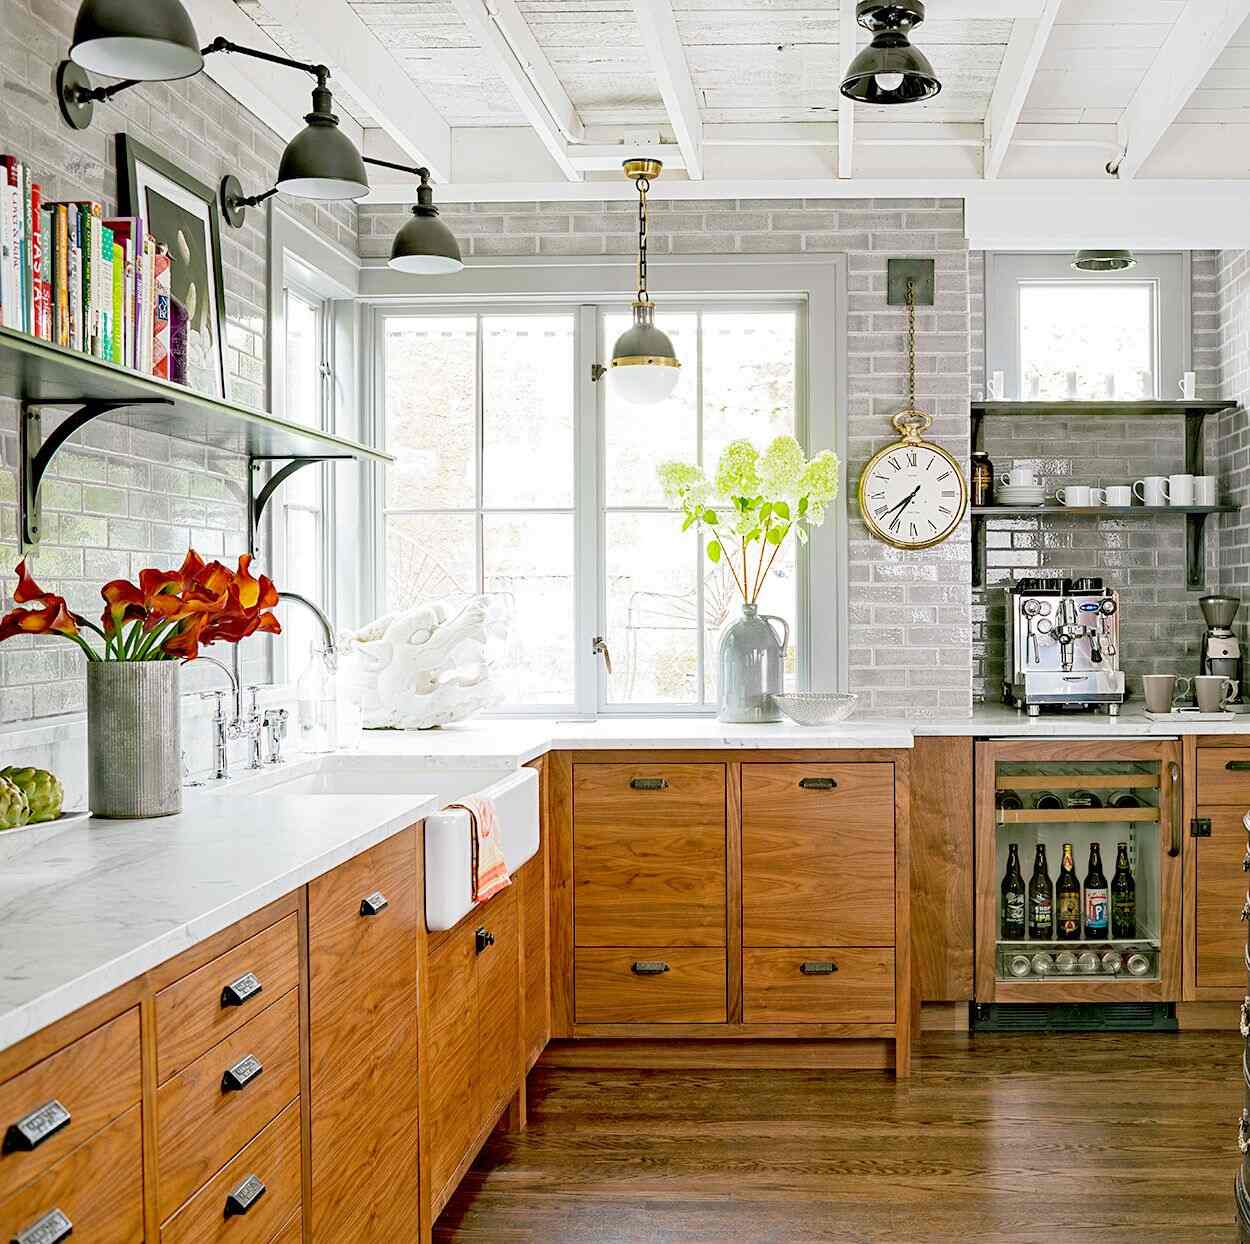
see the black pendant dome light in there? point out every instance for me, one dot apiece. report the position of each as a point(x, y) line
point(889, 70)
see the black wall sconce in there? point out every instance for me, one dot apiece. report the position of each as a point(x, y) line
point(424, 245)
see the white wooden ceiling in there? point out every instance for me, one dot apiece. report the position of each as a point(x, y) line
point(544, 98)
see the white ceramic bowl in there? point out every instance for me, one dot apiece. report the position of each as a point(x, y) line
point(816, 708)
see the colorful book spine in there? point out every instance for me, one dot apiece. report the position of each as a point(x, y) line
point(8, 260)
point(160, 317)
point(106, 293)
point(61, 233)
point(117, 311)
point(36, 260)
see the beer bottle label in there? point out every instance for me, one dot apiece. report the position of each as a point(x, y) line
point(1124, 915)
point(1068, 907)
point(1095, 908)
point(1014, 912)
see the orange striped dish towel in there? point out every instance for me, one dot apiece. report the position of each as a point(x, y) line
point(490, 870)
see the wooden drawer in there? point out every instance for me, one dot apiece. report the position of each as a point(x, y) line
point(192, 1015)
point(1224, 776)
point(95, 1079)
point(775, 989)
point(98, 1188)
point(274, 1158)
point(608, 990)
point(818, 854)
point(1219, 892)
point(202, 1123)
point(649, 854)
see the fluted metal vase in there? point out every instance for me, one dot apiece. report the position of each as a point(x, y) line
point(133, 748)
point(752, 661)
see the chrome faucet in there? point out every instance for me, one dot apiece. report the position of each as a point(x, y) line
point(331, 650)
point(223, 730)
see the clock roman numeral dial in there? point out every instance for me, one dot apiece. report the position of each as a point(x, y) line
point(912, 495)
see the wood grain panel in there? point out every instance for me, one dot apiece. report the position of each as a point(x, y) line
point(190, 1017)
point(95, 1078)
point(649, 865)
point(817, 864)
point(775, 990)
point(201, 1125)
point(560, 890)
point(274, 1157)
point(536, 986)
point(608, 991)
point(98, 1187)
point(1220, 779)
point(292, 1232)
point(498, 1008)
point(941, 881)
point(1220, 889)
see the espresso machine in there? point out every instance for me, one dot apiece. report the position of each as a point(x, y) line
point(1221, 649)
point(1063, 646)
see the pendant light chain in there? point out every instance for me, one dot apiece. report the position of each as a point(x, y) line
point(911, 345)
point(644, 185)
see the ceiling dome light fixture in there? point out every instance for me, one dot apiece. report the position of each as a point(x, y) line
point(889, 70)
point(644, 367)
point(149, 40)
point(1104, 259)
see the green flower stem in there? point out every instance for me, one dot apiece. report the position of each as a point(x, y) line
point(150, 648)
point(729, 561)
point(88, 650)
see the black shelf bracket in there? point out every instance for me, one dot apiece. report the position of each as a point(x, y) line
point(258, 500)
point(35, 453)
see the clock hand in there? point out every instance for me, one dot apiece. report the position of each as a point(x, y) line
point(902, 505)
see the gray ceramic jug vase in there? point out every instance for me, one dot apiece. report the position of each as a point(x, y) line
point(751, 667)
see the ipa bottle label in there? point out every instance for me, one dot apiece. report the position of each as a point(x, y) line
point(1041, 899)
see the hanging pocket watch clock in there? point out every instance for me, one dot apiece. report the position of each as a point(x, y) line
point(912, 494)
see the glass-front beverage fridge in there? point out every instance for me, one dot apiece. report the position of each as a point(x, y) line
point(1078, 871)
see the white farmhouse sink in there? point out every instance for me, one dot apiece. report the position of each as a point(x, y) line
point(448, 850)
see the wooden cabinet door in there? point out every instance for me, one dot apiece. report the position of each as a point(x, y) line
point(363, 1036)
point(498, 1008)
point(817, 854)
point(649, 854)
point(536, 984)
point(1220, 890)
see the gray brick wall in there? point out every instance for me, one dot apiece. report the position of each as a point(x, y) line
point(1232, 447)
point(911, 620)
point(120, 498)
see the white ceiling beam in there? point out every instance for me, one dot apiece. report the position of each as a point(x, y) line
point(333, 33)
point(668, 62)
point(1015, 77)
point(516, 57)
point(848, 44)
point(1202, 31)
point(608, 157)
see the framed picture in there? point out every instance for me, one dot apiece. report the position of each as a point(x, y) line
point(181, 213)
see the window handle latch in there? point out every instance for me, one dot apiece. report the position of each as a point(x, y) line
point(600, 648)
point(597, 372)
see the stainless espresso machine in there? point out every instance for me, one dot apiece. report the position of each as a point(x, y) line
point(1063, 645)
point(1221, 649)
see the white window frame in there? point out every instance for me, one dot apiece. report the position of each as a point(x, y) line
point(1169, 272)
point(535, 284)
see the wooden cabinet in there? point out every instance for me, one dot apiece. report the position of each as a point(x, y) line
point(531, 883)
point(473, 1048)
point(362, 981)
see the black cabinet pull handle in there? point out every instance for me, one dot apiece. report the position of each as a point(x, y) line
point(242, 1198)
point(1238, 766)
point(242, 990)
point(818, 967)
point(648, 783)
point(373, 904)
point(31, 1130)
point(818, 783)
point(655, 967)
point(482, 939)
point(47, 1229)
point(238, 1076)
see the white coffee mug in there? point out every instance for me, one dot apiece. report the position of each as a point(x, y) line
point(1206, 490)
point(1119, 495)
point(1019, 477)
point(1188, 385)
point(1076, 495)
point(1180, 489)
point(1153, 490)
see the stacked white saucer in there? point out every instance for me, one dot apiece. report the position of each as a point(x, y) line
point(1019, 494)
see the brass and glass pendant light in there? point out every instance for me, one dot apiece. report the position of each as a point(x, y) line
point(644, 367)
point(889, 70)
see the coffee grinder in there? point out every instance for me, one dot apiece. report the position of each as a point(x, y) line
point(1221, 649)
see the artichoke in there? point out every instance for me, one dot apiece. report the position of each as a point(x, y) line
point(14, 810)
point(43, 790)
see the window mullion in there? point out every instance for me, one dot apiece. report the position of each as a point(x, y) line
point(588, 565)
point(700, 618)
point(479, 415)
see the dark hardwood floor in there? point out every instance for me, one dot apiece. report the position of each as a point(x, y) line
point(1028, 1140)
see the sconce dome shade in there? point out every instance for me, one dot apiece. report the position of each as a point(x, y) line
point(644, 366)
point(148, 40)
point(1104, 259)
point(890, 71)
point(425, 246)
point(321, 162)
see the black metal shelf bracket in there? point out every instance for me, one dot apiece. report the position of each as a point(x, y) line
point(258, 500)
point(36, 454)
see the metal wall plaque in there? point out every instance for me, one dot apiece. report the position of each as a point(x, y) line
point(242, 1198)
point(241, 1074)
point(33, 1129)
point(238, 992)
point(373, 903)
point(53, 1226)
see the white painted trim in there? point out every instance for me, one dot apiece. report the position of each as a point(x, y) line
point(662, 41)
point(1020, 61)
point(848, 45)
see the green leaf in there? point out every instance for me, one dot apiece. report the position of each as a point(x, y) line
point(803, 505)
point(781, 509)
point(752, 535)
point(713, 550)
point(766, 511)
point(709, 516)
point(777, 534)
point(691, 519)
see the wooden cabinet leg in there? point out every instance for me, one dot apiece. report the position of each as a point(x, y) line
point(514, 1119)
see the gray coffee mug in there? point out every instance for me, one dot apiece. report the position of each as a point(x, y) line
point(1213, 692)
point(1162, 691)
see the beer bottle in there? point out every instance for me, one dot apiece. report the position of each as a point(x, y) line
point(1123, 896)
point(1068, 900)
point(1012, 908)
point(1041, 899)
point(1096, 897)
